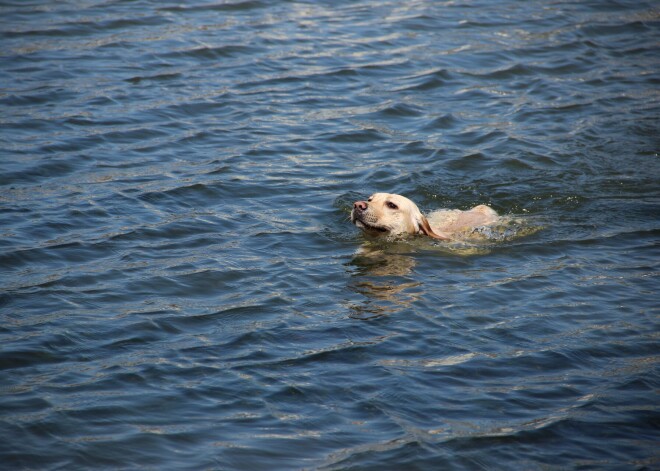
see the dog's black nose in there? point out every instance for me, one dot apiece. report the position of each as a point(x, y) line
point(360, 205)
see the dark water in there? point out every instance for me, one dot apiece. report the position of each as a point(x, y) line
point(181, 286)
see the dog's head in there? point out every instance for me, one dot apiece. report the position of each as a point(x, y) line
point(386, 213)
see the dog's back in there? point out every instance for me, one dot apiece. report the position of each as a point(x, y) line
point(457, 221)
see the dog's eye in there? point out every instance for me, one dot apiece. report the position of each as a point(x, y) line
point(392, 205)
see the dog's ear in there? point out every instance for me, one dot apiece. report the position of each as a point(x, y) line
point(425, 227)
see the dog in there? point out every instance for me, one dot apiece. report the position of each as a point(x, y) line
point(396, 215)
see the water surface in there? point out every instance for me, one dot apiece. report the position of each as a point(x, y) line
point(181, 285)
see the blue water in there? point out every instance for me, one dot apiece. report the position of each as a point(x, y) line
point(181, 284)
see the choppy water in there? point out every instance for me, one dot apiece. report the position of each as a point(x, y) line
point(181, 286)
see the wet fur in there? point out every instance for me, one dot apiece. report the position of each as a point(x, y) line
point(387, 213)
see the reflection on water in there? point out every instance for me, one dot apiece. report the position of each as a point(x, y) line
point(383, 264)
point(380, 277)
point(384, 260)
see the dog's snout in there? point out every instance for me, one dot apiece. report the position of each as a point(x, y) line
point(360, 205)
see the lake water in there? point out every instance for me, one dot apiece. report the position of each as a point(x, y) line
point(181, 284)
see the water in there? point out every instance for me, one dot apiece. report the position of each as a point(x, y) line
point(181, 285)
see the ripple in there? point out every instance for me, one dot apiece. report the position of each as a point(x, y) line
point(182, 283)
point(205, 53)
point(229, 6)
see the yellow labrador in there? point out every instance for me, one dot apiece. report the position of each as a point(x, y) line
point(386, 213)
